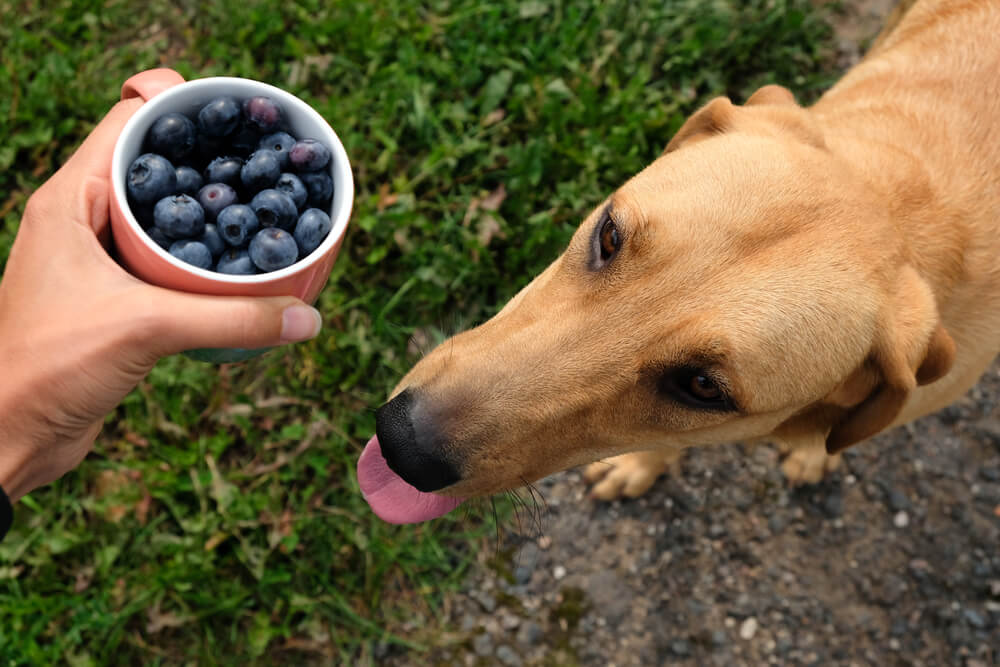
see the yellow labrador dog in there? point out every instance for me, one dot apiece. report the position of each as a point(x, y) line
point(810, 276)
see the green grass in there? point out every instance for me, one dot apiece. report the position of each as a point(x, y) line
point(218, 520)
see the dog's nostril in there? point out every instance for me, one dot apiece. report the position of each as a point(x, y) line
point(412, 452)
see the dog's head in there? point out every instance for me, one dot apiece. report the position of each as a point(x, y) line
point(746, 284)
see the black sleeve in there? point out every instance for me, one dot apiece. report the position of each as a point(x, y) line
point(6, 513)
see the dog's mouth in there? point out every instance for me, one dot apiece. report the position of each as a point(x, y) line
point(391, 497)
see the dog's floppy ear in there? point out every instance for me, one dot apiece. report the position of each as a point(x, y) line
point(772, 110)
point(713, 118)
point(772, 94)
point(911, 348)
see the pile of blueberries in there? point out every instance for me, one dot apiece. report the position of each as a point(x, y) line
point(231, 190)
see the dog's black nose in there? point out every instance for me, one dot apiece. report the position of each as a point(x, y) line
point(410, 447)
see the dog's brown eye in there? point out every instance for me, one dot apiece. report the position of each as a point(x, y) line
point(695, 388)
point(704, 388)
point(610, 239)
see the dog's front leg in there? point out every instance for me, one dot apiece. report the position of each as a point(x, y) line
point(806, 461)
point(629, 475)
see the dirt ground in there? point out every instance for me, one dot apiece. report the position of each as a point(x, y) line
point(893, 560)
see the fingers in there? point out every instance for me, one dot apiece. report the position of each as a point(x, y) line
point(179, 321)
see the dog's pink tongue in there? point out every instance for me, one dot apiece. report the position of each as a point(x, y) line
point(391, 498)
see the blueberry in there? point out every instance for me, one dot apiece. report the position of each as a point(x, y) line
point(160, 238)
point(172, 135)
point(280, 143)
point(236, 262)
point(272, 249)
point(319, 185)
point(244, 141)
point(237, 224)
point(262, 114)
point(188, 180)
point(261, 170)
point(150, 178)
point(220, 117)
point(192, 252)
point(212, 239)
point(292, 186)
point(179, 216)
point(312, 227)
point(224, 170)
point(274, 209)
point(309, 155)
point(214, 197)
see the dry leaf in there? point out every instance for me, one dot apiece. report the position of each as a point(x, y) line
point(215, 540)
point(493, 117)
point(487, 228)
point(134, 438)
point(142, 507)
point(385, 197)
point(83, 579)
point(159, 620)
point(495, 198)
point(490, 202)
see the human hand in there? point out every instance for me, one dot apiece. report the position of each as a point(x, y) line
point(78, 333)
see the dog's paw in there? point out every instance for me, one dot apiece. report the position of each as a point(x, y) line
point(808, 465)
point(628, 475)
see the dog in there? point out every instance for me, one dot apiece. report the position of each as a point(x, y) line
point(806, 276)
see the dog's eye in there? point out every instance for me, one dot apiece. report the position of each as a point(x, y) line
point(704, 388)
point(610, 239)
point(696, 388)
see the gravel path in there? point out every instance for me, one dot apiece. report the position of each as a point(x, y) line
point(893, 560)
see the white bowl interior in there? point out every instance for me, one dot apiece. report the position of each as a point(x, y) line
point(304, 123)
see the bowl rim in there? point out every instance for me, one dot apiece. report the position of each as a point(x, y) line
point(343, 196)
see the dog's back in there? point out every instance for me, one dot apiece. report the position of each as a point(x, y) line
point(928, 93)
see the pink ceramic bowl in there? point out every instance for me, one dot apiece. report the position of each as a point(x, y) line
point(164, 91)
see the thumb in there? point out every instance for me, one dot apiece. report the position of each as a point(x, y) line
point(189, 321)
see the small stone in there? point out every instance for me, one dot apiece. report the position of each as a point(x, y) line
point(990, 473)
point(485, 600)
point(544, 542)
point(522, 575)
point(748, 628)
point(507, 656)
point(901, 520)
point(974, 618)
point(894, 644)
point(718, 638)
point(680, 647)
point(483, 645)
point(898, 501)
point(716, 530)
point(530, 633)
point(509, 622)
point(558, 572)
point(833, 505)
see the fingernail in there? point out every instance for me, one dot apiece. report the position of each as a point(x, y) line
point(300, 323)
